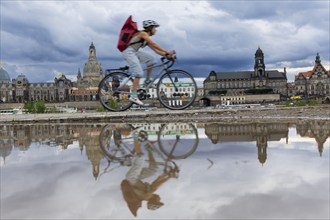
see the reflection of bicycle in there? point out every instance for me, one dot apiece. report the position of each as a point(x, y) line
point(175, 89)
point(176, 141)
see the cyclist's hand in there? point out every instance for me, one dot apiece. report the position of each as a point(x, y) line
point(171, 55)
point(173, 172)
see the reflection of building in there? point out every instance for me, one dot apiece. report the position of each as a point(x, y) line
point(170, 128)
point(6, 141)
point(61, 90)
point(53, 135)
point(21, 137)
point(89, 138)
point(320, 130)
point(259, 133)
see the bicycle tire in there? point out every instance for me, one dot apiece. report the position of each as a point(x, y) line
point(112, 142)
point(111, 96)
point(176, 90)
point(187, 145)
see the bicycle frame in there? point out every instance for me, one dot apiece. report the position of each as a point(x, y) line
point(163, 64)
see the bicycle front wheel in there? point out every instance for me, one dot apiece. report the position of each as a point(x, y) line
point(114, 91)
point(178, 140)
point(176, 90)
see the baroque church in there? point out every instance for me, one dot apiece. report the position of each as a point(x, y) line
point(61, 90)
point(260, 80)
point(85, 89)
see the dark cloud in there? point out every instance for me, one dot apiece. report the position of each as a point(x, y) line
point(208, 35)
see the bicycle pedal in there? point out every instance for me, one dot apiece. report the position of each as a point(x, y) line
point(142, 94)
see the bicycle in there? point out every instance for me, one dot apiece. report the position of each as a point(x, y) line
point(175, 141)
point(175, 89)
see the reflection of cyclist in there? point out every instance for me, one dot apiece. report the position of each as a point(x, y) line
point(134, 57)
point(135, 190)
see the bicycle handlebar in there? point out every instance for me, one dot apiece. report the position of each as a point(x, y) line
point(169, 60)
point(163, 58)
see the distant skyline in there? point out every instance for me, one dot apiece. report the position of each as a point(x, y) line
point(42, 39)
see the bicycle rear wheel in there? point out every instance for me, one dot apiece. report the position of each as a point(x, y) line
point(114, 91)
point(176, 90)
point(115, 143)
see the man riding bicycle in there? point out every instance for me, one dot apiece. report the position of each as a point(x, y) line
point(135, 57)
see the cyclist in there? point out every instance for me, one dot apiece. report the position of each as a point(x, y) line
point(135, 190)
point(135, 57)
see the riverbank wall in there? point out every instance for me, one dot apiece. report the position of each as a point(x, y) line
point(190, 115)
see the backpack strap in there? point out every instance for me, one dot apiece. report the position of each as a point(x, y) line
point(140, 41)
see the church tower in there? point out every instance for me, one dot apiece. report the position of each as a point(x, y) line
point(92, 73)
point(259, 66)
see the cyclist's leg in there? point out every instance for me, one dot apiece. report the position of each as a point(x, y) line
point(132, 58)
point(149, 72)
point(148, 60)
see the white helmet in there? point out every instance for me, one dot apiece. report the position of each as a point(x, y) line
point(149, 23)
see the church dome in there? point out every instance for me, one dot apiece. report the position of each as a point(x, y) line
point(4, 76)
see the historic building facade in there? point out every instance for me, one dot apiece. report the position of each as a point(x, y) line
point(61, 90)
point(241, 83)
point(313, 83)
point(87, 84)
point(6, 87)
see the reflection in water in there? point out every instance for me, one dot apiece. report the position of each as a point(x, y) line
point(262, 133)
point(259, 133)
point(150, 151)
point(319, 130)
point(89, 136)
point(131, 145)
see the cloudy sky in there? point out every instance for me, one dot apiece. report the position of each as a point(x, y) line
point(42, 39)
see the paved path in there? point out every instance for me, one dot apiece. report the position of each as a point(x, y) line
point(196, 115)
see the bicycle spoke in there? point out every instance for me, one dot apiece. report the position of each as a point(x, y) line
point(112, 143)
point(178, 141)
point(177, 90)
point(114, 91)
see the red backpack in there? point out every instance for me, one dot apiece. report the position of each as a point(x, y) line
point(126, 33)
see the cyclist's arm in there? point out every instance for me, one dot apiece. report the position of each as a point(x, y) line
point(154, 46)
point(161, 53)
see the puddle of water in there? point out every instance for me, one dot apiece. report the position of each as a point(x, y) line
point(172, 171)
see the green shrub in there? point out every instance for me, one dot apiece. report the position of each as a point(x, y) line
point(114, 104)
point(313, 102)
point(300, 103)
point(35, 107)
point(28, 106)
point(100, 109)
point(259, 91)
point(217, 92)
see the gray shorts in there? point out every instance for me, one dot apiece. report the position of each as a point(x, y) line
point(138, 171)
point(135, 59)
